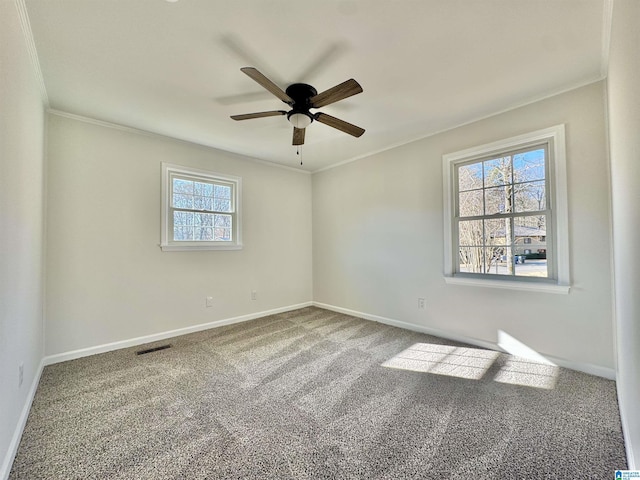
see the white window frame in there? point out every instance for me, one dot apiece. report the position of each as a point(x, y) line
point(557, 170)
point(166, 237)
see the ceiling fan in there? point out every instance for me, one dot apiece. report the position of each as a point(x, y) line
point(301, 98)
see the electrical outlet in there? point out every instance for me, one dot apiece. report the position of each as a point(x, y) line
point(209, 301)
point(422, 304)
point(20, 374)
point(254, 295)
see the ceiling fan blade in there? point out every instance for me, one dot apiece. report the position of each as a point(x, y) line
point(298, 136)
point(247, 116)
point(267, 84)
point(334, 94)
point(341, 125)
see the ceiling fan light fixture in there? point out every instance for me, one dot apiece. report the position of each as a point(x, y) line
point(300, 120)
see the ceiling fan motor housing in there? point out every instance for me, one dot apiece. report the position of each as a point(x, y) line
point(301, 94)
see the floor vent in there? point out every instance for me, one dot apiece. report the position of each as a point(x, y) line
point(154, 349)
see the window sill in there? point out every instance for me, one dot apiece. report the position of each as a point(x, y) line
point(186, 248)
point(509, 285)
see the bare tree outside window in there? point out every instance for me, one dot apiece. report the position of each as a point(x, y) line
point(199, 209)
point(502, 214)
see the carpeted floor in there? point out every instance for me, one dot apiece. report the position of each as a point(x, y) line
point(317, 394)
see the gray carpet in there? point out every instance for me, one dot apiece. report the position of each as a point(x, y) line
point(316, 394)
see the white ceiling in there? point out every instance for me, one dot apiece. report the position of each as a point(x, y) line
point(425, 65)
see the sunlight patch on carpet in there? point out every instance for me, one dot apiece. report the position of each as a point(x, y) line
point(473, 363)
point(461, 362)
point(520, 371)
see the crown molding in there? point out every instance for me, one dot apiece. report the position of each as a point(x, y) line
point(139, 131)
point(31, 48)
point(530, 101)
point(607, 20)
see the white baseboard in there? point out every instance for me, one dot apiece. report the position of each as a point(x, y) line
point(409, 326)
point(597, 370)
point(22, 421)
point(631, 456)
point(633, 462)
point(132, 342)
point(590, 368)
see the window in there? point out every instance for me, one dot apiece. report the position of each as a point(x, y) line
point(200, 210)
point(506, 213)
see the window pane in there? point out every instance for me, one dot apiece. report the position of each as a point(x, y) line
point(470, 203)
point(182, 218)
point(496, 261)
point(182, 201)
point(222, 234)
point(531, 246)
point(203, 203)
point(470, 233)
point(222, 191)
point(204, 189)
point(530, 267)
point(470, 177)
point(532, 227)
point(221, 205)
point(198, 203)
point(203, 219)
point(498, 200)
point(223, 221)
point(471, 260)
point(530, 197)
point(497, 231)
point(497, 171)
point(203, 234)
point(182, 186)
point(499, 252)
point(529, 166)
point(182, 233)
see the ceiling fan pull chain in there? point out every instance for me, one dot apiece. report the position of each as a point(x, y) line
point(298, 153)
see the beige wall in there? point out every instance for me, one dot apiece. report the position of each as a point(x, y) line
point(108, 281)
point(378, 238)
point(21, 227)
point(624, 128)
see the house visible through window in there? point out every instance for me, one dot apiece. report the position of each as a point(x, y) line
point(200, 210)
point(505, 212)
